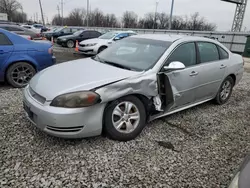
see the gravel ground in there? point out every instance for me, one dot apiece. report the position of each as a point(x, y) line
point(210, 142)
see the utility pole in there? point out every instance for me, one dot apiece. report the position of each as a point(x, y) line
point(62, 10)
point(58, 9)
point(41, 12)
point(171, 16)
point(156, 6)
point(37, 20)
point(87, 13)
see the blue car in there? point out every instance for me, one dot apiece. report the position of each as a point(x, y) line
point(20, 58)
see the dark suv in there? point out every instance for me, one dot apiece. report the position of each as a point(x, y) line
point(70, 40)
point(62, 31)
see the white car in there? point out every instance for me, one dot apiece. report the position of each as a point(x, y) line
point(32, 28)
point(95, 46)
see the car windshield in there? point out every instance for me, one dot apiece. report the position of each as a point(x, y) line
point(134, 53)
point(58, 29)
point(108, 35)
point(77, 32)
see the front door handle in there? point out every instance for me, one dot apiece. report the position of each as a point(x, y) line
point(222, 66)
point(193, 73)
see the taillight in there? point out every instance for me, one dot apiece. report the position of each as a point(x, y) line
point(38, 35)
point(50, 51)
point(29, 38)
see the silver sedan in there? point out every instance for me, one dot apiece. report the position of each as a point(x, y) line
point(135, 80)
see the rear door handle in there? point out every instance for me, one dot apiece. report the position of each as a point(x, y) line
point(193, 73)
point(223, 66)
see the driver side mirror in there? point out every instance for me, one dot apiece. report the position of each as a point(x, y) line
point(175, 65)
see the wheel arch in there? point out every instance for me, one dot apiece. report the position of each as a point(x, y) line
point(233, 76)
point(18, 61)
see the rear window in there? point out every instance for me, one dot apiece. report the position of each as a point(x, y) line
point(4, 40)
point(223, 53)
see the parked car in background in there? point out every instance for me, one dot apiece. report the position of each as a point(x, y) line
point(21, 31)
point(32, 28)
point(62, 31)
point(40, 27)
point(81, 35)
point(137, 79)
point(95, 46)
point(20, 58)
point(241, 178)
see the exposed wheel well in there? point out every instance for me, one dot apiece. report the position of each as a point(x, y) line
point(5, 73)
point(234, 77)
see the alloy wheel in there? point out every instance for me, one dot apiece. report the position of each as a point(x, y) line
point(125, 117)
point(226, 90)
point(21, 75)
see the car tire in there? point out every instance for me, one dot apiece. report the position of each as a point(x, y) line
point(124, 124)
point(19, 74)
point(70, 44)
point(101, 49)
point(225, 91)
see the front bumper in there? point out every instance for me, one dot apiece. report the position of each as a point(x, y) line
point(89, 50)
point(63, 122)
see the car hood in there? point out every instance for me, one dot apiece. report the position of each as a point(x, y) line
point(77, 75)
point(96, 40)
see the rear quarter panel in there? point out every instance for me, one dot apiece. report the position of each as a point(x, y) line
point(235, 66)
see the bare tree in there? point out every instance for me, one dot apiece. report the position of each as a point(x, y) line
point(9, 7)
point(129, 19)
point(163, 19)
point(96, 18)
point(110, 20)
point(56, 20)
point(19, 17)
point(76, 17)
point(149, 20)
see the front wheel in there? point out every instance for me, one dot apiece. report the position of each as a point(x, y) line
point(70, 44)
point(225, 91)
point(19, 74)
point(124, 119)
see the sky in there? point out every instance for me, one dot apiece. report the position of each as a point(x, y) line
point(219, 12)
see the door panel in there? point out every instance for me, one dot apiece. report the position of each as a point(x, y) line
point(183, 85)
point(211, 72)
point(6, 49)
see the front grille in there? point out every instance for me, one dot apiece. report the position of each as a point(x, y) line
point(36, 96)
point(64, 129)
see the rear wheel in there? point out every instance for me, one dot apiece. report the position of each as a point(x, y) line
point(225, 91)
point(101, 49)
point(124, 119)
point(70, 44)
point(19, 74)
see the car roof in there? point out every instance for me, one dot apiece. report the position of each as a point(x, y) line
point(172, 38)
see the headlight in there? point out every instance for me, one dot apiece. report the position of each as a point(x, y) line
point(91, 44)
point(63, 39)
point(76, 100)
point(235, 182)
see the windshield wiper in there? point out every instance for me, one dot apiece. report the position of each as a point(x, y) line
point(97, 58)
point(117, 65)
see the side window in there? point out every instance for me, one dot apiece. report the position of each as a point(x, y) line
point(186, 54)
point(94, 34)
point(4, 40)
point(85, 34)
point(122, 35)
point(223, 53)
point(208, 52)
point(131, 34)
